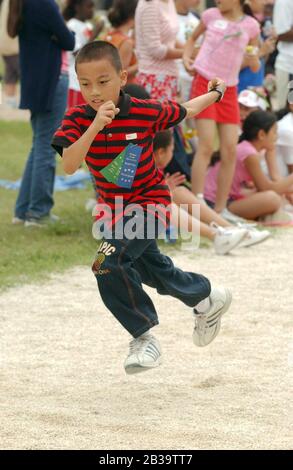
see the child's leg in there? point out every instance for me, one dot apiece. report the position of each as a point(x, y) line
point(180, 217)
point(256, 205)
point(206, 129)
point(228, 143)
point(182, 195)
point(158, 271)
point(120, 285)
point(121, 288)
point(193, 289)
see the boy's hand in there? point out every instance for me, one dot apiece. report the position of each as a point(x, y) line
point(105, 115)
point(174, 180)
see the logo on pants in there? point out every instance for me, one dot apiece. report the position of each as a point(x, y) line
point(105, 249)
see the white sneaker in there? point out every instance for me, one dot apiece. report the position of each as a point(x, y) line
point(208, 324)
point(144, 354)
point(254, 236)
point(230, 217)
point(227, 239)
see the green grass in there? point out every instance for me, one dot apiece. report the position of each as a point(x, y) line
point(32, 254)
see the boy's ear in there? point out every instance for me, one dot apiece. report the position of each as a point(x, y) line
point(123, 77)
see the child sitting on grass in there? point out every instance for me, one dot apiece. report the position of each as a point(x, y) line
point(253, 194)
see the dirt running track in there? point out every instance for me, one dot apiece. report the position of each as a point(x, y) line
point(63, 385)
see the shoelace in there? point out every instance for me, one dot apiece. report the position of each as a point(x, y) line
point(221, 230)
point(137, 343)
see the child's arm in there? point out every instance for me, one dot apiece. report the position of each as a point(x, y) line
point(216, 90)
point(74, 155)
point(261, 181)
point(189, 47)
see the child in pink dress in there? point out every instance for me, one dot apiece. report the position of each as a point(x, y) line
point(228, 31)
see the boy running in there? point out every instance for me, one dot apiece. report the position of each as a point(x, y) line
point(114, 134)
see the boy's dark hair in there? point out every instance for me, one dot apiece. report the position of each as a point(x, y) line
point(121, 12)
point(98, 50)
point(163, 139)
point(255, 122)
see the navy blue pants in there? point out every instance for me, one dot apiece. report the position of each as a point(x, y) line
point(122, 266)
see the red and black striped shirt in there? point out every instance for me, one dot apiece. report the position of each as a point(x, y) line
point(137, 123)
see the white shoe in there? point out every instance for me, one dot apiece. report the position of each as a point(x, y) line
point(226, 239)
point(254, 236)
point(230, 217)
point(208, 324)
point(144, 354)
point(42, 221)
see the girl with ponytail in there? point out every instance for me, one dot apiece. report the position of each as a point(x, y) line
point(230, 33)
point(253, 194)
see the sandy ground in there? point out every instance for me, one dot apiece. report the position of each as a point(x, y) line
point(63, 384)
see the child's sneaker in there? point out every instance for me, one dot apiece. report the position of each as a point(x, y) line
point(226, 239)
point(208, 324)
point(144, 354)
point(254, 237)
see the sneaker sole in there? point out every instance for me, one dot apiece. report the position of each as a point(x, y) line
point(224, 309)
point(32, 224)
point(137, 369)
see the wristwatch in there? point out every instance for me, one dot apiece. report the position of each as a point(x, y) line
point(221, 93)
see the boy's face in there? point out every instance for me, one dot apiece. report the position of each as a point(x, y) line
point(100, 82)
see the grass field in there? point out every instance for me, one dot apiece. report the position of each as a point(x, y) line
point(30, 254)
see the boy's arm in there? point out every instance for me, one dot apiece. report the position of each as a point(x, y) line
point(216, 90)
point(74, 155)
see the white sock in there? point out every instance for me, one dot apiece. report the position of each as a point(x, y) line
point(145, 334)
point(203, 306)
